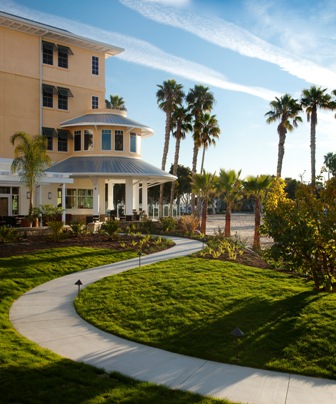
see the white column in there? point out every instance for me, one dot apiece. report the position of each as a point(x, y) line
point(110, 195)
point(101, 195)
point(63, 203)
point(129, 197)
point(136, 196)
point(145, 197)
point(95, 196)
point(39, 195)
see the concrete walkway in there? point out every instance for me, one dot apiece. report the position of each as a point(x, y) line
point(46, 315)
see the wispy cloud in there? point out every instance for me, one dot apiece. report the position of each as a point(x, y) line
point(142, 53)
point(236, 38)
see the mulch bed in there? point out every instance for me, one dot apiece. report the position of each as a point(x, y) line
point(37, 243)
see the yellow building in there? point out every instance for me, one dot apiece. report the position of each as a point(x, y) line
point(52, 83)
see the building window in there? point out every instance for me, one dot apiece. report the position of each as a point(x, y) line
point(95, 65)
point(49, 133)
point(78, 140)
point(88, 140)
point(71, 199)
point(76, 198)
point(63, 56)
point(95, 102)
point(119, 140)
point(85, 199)
point(133, 139)
point(106, 139)
point(48, 52)
point(63, 95)
point(63, 136)
point(48, 95)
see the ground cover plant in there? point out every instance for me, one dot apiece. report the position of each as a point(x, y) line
point(191, 305)
point(31, 374)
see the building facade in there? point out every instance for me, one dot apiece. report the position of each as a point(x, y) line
point(52, 83)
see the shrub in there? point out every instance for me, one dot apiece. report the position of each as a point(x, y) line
point(223, 245)
point(7, 234)
point(304, 231)
point(56, 228)
point(77, 228)
point(147, 226)
point(188, 224)
point(110, 229)
point(167, 223)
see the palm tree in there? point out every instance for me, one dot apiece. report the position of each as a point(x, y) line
point(200, 100)
point(169, 96)
point(204, 184)
point(230, 187)
point(330, 163)
point(209, 131)
point(312, 99)
point(30, 160)
point(286, 110)
point(115, 102)
point(256, 188)
point(181, 122)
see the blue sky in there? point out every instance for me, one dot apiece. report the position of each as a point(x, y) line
point(246, 52)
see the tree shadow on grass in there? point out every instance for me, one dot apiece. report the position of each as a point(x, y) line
point(65, 381)
point(270, 332)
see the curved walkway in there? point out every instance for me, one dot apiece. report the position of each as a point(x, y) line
point(46, 315)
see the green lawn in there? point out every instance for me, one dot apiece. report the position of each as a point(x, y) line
point(30, 374)
point(190, 306)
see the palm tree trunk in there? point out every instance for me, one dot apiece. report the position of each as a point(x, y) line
point(194, 168)
point(202, 162)
point(257, 213)
point(204, 215)
point(281, 148)
point(176, 159)
point(164, 160)
point(227, 230)
point(313, 123)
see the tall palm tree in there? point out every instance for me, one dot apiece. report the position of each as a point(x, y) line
point(209, 131)
point(312, 99)
point(181, 123)
point(229, 186)
point(284, 109)
point(115, 102)
point(169, 96)
point(204, 184)
point(200, 100)
point(256, 188)
point(30, 160)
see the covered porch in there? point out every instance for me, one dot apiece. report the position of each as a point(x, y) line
point(101, 174)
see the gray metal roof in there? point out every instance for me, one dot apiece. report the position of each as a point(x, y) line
point(106, 119)
point(110, 167)
point(51, 33)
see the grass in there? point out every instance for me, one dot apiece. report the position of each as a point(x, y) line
point(191, 305)
point(33, 375)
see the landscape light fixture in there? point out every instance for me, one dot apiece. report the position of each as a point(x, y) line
point(139, 255)
point(79, 283)
point(237, 333)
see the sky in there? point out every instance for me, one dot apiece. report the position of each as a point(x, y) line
point(246, 51)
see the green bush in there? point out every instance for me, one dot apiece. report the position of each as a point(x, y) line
point(77, 228)
point(7, 234)
point(56, 228)
point(167, 223)
point(147, 226)
point(110, 229)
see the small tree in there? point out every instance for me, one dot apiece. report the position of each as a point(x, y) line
point(256, 188)
point(30, 160)
point(304, 231)
point(204, 185)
